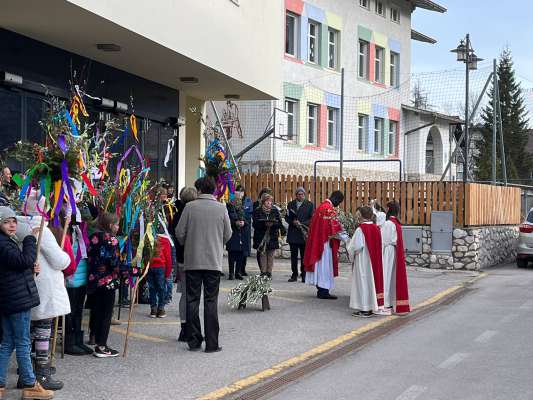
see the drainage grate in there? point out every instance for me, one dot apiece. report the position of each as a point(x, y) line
point(268, 388)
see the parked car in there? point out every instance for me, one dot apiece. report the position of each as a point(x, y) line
point(525, 242)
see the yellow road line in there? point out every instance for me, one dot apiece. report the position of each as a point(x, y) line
point(139, 335)
point(320, 349)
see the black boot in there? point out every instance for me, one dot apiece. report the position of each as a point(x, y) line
point(79, 342)
point(71, 346)
point(183, 336)
point(44, 377)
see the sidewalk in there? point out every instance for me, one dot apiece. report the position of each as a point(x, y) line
point(159, 367)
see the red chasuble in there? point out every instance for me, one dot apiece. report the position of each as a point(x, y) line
point(373, 245)
point(402, 291)
point(324, 226)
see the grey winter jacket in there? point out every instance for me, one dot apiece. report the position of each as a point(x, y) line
point(204, 228)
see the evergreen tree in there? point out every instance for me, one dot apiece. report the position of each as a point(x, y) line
point(515, 128)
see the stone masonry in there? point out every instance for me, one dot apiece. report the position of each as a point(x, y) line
point(472, 249)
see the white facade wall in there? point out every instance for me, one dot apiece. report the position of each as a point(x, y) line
point(416, 145)
point(318, 84)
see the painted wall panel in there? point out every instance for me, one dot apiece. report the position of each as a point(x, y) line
point(315, 13)
point(364, 33)
point(292, 90)
point(334, 20)
point(333, 100)
point(395, 46)
point(323, 126)
point(295, 6)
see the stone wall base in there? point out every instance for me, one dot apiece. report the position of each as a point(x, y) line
point(473, 249)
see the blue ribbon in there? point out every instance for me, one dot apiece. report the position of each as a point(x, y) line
point(73, 126)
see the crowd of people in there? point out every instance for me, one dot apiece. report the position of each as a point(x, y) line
point(79, 267)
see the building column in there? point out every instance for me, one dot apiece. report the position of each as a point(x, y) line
point(189, 141)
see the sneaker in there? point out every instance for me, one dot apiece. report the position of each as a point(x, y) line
point(230, 277)
point(292, 279)
point(238, 277)
point(362, 314)
point(161, 313)
point(104, 352)
point(244, 274)
point(153, 312)
point(37, 392)
point(384, 312)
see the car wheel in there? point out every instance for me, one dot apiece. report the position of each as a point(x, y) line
point(521, 263)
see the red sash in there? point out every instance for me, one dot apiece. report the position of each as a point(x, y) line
point(324, 225)
point(402, 291)
point(373, 245)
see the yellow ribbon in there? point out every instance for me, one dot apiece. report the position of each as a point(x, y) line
point(133, 123)
point(57, 189)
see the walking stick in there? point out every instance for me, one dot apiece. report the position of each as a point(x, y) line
point(132, 306)
point(56, 320)
point(54, 340)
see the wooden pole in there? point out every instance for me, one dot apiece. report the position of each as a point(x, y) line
point(54, 339)
point(65, 229)
point(132, 306)
point(56, 320)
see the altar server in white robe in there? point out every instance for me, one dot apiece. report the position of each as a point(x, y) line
point(367, 271)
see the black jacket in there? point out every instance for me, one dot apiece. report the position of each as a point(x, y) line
point(302, 214)
point(240, 239)
point(180, 249)
point(18, 291)
point(260, 228)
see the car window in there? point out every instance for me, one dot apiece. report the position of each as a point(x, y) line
point(530, 217)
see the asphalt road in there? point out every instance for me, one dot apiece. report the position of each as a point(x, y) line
point(158, 367)
point(478, 348)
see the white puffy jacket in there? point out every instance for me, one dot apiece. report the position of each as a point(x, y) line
point(50, 281)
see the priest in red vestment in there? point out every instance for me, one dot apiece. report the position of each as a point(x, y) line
point(321, 260)
point(396, 293)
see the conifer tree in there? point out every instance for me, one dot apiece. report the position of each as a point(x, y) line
point(515, 128)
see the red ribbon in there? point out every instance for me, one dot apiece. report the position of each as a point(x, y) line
point(90, 186)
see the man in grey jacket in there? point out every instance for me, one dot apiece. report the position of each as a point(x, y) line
point(203, 229)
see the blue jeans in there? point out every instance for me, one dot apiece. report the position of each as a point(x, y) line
point(16, 336)
point(157, 286)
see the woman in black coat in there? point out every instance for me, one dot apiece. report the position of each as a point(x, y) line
point(239, 242)
point(268, 227)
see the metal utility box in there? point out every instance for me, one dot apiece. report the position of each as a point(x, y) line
point(441, 231)
point(412, 239)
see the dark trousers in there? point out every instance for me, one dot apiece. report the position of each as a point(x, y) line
point(236, 262)
point(211, 282)
point(157, 286)
point(73, 320)
point(295, 248)
point(41, 331)
point(244, 261)
point(258, 255)
point(102, 312)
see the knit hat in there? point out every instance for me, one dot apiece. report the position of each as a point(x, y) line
point(300, 190)
point(6, 213)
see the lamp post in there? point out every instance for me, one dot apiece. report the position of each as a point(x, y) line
point(465, 54)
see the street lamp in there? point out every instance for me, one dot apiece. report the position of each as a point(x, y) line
point(465, 54)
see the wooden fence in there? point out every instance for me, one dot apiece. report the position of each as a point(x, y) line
point(492, 205)
point(417, 199)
